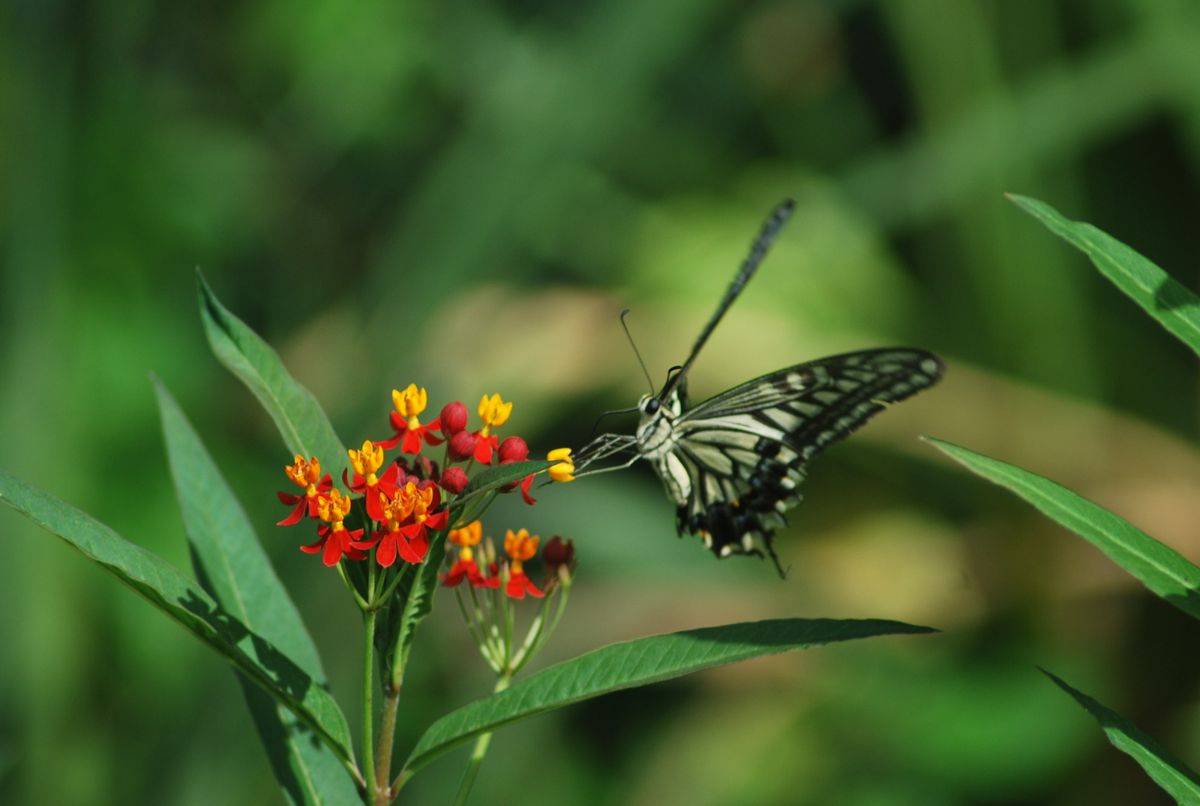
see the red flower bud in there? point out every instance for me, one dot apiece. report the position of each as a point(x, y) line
point(454, 418)
point(454, 480)
point(513, 449)
point(462, 446)
point(558, 552)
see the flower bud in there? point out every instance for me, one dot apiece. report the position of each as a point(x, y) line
point(454, 480)
point(513, 449)
point(462, 446)
point(454, 418)
point(557, 553)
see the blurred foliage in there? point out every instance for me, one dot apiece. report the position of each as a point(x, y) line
point(465, 195)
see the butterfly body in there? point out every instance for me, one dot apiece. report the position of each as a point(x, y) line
point(732, 464)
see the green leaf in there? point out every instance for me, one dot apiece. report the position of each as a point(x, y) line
point(172, 592)
point(638, 663)
point(1172, 775)
point(1159, 567)
point(233, 568)
point(301, 421)
point(1173, 305)
point(417, 594)
point(490, 478)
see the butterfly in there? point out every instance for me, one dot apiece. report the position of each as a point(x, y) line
point(732, 464)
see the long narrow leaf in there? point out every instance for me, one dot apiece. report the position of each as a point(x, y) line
point(172, 592)
point(301, 421)
point(232, 567)
point(1159, 567)
point(638, 663)
point(1174, 306)
point(491, 478)
point(1172, 775)
point(418, 603)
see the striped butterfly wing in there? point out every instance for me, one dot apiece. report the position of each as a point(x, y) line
point(744, 452)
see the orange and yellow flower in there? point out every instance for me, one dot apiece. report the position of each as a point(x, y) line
point(306, 475)
point(335, 540)
point(467, 567)
point(409, 514)
point(520, 546)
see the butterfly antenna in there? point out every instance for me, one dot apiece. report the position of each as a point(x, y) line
point(758, 251)
point(636, 352)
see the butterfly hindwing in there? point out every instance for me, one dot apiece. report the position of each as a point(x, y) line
point(744, 451)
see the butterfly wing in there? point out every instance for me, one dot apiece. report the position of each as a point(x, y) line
point(744, 452)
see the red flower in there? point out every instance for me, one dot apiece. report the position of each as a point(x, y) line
point(463, 569)
point(306, 475)
point(520, 546)
point(407, 425)
point(466, 567)
point(335, 541)
point(485, 446)
point(410, 514)
point(520, 584)
point(526, 484)
point(366, 463)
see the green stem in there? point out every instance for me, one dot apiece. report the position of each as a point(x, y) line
point(361, 602)
point(547, 630)
point(487, 629)
point(531, 639)
point(387, 733)
point(391, 586)
point(481, 748)
point(368, 715)
point(477, 632)
point(509, 630)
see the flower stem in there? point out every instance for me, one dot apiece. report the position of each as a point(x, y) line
point(481, 748)
point(361, 602)
point(368, 715)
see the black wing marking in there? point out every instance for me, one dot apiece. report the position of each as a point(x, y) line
point(758, 251)
point(745, 450)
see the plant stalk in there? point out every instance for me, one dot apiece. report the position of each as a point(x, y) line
point(383, 756)
point(368, 714)
point(481, 748)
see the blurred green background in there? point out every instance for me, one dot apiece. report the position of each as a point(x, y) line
point(465, 195)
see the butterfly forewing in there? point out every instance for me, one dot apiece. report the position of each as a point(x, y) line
point(744, 451)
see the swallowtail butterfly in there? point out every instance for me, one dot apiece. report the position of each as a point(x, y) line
point(732, 464)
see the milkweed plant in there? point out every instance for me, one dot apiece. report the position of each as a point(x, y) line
point(401, 523)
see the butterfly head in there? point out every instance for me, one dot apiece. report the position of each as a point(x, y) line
point(653, 408)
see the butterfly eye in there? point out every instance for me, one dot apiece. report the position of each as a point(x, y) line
point(651, 406)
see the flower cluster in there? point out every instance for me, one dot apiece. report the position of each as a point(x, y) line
point(558, 557)
point(403, 502)
point(487, 602)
